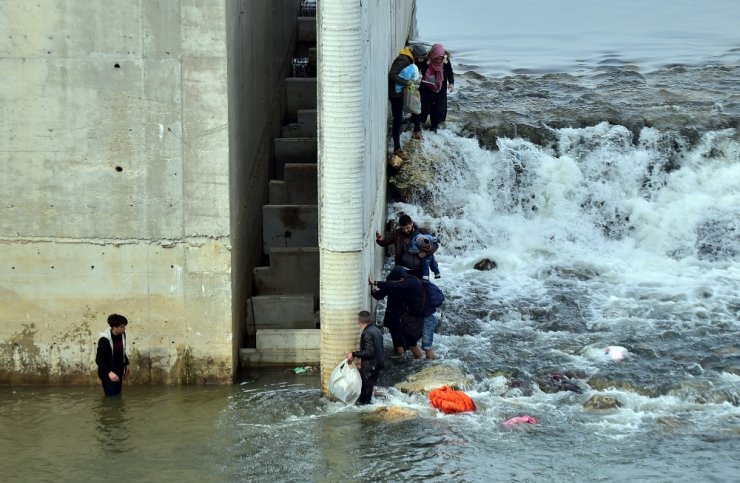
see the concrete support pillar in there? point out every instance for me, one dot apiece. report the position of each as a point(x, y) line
point(341, 133)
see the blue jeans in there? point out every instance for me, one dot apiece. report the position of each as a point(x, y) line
point(427, 331)
point(426, 263)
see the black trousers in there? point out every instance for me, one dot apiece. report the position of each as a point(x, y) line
point(397, 113)
point(369, 380)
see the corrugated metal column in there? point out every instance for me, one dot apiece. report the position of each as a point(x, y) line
point(340, 177)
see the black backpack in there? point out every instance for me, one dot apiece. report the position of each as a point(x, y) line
point(435, 297)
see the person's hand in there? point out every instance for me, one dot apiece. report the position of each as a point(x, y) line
point(450, 87)
point(127, 371)
point(409, 82)
point(113, 377)
point(378, 236)
point(370, 280)
point(349, 357)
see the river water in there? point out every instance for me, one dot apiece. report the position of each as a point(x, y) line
point(604, 234)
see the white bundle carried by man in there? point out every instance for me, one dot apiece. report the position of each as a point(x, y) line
point(345, 382)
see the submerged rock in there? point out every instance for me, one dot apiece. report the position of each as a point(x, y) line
point(559, 381)
point(485, 264)
point(391, 414)
point(601, 403)
point(433, 377)
point(603, 384)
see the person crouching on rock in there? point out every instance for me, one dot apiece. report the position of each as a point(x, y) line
point(372, 354)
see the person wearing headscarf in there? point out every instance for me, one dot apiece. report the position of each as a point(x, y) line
point(437, 78)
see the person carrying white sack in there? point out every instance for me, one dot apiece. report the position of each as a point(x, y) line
point(372, 354)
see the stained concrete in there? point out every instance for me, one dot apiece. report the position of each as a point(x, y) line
point(133, 159)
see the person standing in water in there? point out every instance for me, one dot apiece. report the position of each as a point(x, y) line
point(111, 357)
point(372, 354)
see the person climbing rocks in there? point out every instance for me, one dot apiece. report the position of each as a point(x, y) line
point(406, 57)
point(437, 78)
point(401, 239)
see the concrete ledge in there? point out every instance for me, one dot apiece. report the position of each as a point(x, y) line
point(274, 358)
point(294, 151)
point(291, 271)
point(288, 339)
point(284, 312)
point(300, 93)
point(282, 347)
point(306, 29)
point(277, 194)
point(289, 226)
point(299, 186)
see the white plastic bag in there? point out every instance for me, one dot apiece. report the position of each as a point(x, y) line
point(345, 382)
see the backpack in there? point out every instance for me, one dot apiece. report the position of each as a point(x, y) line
point(435, 297)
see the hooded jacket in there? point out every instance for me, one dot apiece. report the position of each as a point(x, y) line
point(404, 59)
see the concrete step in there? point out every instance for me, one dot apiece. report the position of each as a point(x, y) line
point(283, 347)
point(300, 93)
point(307, 29)
point(291, 271)
point(293, 151)
point(284, 311)
point(305, 127)
point(289, 226)
point(300, 186)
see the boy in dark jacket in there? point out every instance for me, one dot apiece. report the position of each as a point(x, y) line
point(372, 354)
point(111, 357)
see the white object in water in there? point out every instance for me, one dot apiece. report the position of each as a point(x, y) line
point(615, 352)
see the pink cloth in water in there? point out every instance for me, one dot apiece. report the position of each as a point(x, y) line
point(520, 420)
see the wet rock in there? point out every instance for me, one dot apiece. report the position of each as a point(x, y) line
point(601, 403)
point(559, 381)
point(391, 414)
point(485, 264)
point(603, 384)
point(670, 423)
point(433, 377)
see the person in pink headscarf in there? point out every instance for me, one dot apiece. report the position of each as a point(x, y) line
point(436, 79)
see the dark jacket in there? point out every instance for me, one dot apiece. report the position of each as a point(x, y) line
point(371, 348)
point(393, 308)
point(399, 240)
point(107, 358)
point(448, 78)
point(404, 59)
point(412, 293)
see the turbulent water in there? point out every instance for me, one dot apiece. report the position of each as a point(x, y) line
point(592, 152)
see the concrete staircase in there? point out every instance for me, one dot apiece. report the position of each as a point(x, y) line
point(282, 316)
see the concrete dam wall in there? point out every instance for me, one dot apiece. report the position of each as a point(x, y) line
point(135, 160)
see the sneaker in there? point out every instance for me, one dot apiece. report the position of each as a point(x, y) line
point(437, 275)
point(401, 154)
point(417, 135)
point(425, 277)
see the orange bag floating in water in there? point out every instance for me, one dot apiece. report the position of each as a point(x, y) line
point(450, 401)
